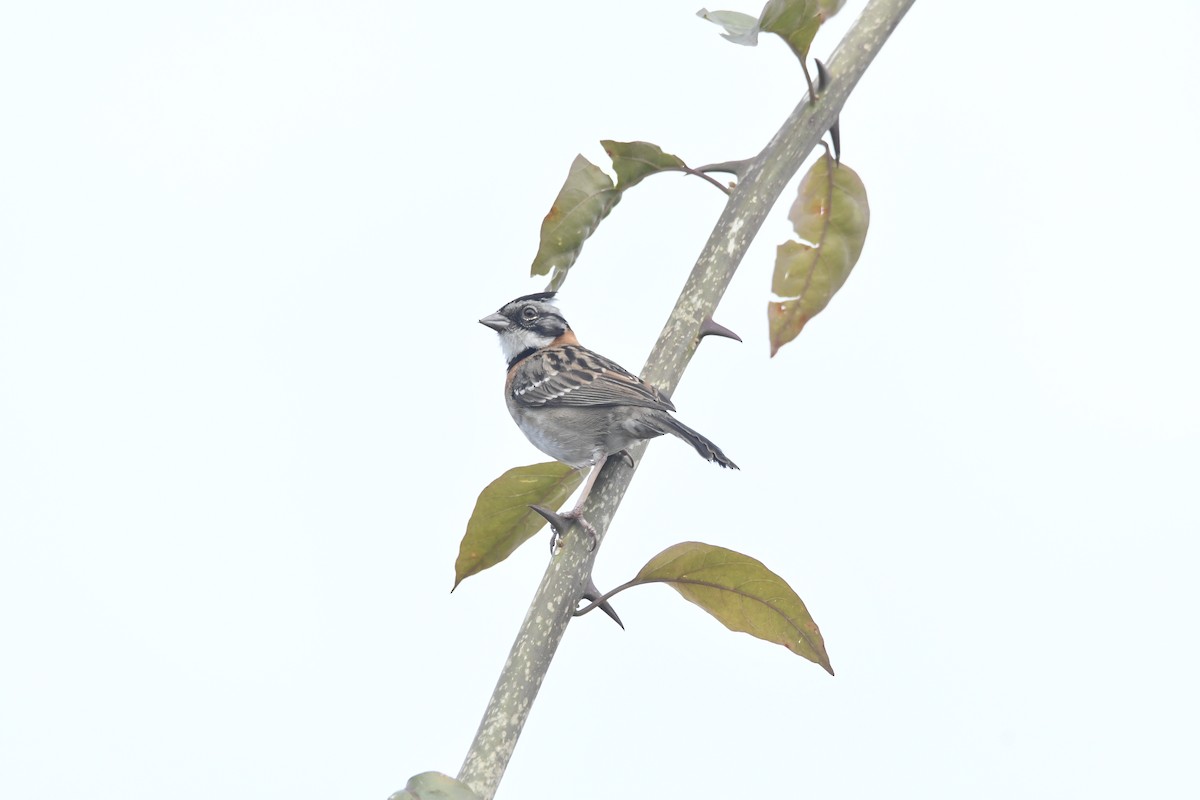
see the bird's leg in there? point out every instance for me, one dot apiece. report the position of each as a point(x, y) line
point(576, 513)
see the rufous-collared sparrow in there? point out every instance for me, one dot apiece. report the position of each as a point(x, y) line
point(573, 404)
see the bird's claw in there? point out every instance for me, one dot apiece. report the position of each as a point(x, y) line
point(577, 516)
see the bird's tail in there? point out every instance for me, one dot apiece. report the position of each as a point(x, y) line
point(704, 447)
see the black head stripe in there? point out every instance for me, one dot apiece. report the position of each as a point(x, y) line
point(549, 324)
point(535, 296)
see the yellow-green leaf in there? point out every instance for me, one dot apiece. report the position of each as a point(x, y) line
point(502, 520)
point(797, 21)
point(831, 215)
point(586, 197)
point(741, 593)
point(434, 786)
point(633, 161)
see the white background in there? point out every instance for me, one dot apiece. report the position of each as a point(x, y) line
point(245, 407)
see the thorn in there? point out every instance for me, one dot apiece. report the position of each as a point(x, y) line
point(626, 457)
point(737, 168)
point(822, 76)
point(556, 520)
point(711, 328)
point(561, 523)
point(593, 594)
point(835, 130)
point(558, 525)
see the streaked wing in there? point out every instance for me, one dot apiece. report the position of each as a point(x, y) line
point(570, 375)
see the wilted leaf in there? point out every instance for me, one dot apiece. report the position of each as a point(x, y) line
point(502, 520)
point(831, 214)
point(797, 21)
point(741, 593)
point(739, 28)
point(585, 198)
point(434, 786)
point(634, 161)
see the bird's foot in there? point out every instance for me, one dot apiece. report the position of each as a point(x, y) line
point(577, 516)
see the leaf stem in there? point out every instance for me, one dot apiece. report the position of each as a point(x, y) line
point(812, 91)
point(708, 178)
point(604, 598)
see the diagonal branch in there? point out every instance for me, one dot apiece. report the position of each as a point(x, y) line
point(749, 203)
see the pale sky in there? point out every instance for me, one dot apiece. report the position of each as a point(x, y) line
point(246, 408)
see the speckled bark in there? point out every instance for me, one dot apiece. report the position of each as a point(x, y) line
point(748, 206)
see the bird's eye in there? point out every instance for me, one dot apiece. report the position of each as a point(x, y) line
point(529, 312)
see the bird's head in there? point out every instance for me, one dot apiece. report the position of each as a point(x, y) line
point(527, 323)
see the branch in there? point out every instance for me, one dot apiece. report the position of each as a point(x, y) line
point(749, 203)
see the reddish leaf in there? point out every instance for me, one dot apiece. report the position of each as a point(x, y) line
point(585, 199)
point(633, 161)
point(797, 21)
point(831, 215)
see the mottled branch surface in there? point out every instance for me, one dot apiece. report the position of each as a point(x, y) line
point(756, 193)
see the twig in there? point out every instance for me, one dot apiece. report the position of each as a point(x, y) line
point(566, 577)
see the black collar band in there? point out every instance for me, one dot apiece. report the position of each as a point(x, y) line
point(521, 356)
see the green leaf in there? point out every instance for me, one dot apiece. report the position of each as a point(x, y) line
point(741, 593)
point(502, 520)
point(586, 198)
point(633, 161)
point(739, 28)
point(797, 21)
point(434, 786)
point(831, 214)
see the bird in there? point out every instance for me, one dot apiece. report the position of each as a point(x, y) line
point(572, 403)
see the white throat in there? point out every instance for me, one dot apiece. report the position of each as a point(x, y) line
point(515, 341)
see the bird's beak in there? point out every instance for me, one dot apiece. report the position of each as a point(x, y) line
point(497, 322)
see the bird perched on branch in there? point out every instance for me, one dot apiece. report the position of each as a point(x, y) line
point(573, 404)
